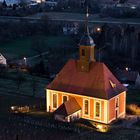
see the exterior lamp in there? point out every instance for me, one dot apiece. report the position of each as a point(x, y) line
point(133, 7)
point(126, 68)
point(12, 107)
point(99, 126)
point(25, 60)
point(98, 29)
point(102, 128)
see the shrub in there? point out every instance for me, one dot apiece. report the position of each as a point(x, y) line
point(133, 109)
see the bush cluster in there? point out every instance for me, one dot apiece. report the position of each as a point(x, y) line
point(133, 109)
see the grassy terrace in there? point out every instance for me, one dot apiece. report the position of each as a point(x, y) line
point(23, 47)
point(9, 85)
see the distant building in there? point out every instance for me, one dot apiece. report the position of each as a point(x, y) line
point(126, 76)
point(11, 2)
point(51, 3)
point(70, 29)
point(2, 60)
point(137, 83)
point(86, 89)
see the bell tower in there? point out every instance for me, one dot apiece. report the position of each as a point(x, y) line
point(86, 49)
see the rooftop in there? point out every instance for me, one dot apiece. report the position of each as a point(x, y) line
point(95, 83)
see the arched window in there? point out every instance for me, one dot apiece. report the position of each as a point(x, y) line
point(86, 107)
point(65, 98)
point(97, 108)
point(54, 100)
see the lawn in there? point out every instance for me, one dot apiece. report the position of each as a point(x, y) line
point(23, 47)
point(26, 88)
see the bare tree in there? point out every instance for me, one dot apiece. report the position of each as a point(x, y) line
point(20, 79)
point(39, 46)
point(44, 24)
point(34, 86)
point(22, 3)
point(122, 1)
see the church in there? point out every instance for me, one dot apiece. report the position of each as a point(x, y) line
point(86, 89)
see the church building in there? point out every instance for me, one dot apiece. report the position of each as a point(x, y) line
point(86, 89)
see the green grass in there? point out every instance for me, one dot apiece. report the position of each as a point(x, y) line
point(9, 84)
point(17, 47)
point(23, 47)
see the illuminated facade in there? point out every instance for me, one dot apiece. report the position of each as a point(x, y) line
point(3, 60)
point(86, 89)
point(95, 109)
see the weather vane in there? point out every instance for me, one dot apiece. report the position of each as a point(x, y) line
point(87, 14)
point(86, 25)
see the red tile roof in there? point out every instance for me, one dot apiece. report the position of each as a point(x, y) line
point(95, 83)
point(67, 108)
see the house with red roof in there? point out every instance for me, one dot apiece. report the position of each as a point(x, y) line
point(3, 60)
point(86, 89)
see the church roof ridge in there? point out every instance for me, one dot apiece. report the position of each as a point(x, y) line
point(94, 83)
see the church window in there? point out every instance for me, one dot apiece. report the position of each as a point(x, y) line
point(65, 98)
point(97, 108)
point(54, 100)
point(86, 107)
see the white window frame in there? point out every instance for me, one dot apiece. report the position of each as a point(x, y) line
point(66, 96)
point(88, 107)
point(56, 101)
point(99, 117)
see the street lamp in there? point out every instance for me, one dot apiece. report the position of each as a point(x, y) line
point(25, 60)
point(126, 68)
point(98, 29)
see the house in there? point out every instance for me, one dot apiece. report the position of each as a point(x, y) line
point(137, 83)
point(51, 3)
point(86, 89)
point(3, 60)
point(126, 76)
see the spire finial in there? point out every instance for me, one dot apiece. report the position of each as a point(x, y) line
point(86, 25)
point(87, 14)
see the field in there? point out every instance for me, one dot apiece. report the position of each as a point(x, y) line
point(24, 47)
point(30, 85)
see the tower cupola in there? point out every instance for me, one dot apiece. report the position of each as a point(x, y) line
point(86, 40)
point(86, 50)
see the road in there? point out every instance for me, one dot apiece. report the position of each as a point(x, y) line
point(31, 60)
point(92, 18)
point(72, 17)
